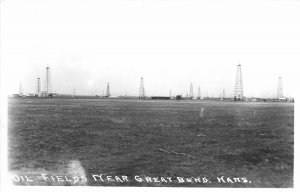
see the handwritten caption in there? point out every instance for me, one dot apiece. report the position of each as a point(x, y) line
point(103, 178)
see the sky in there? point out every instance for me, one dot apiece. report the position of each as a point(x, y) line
point(170, 43)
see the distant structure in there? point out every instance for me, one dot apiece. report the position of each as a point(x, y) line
point(142, 90)
point(199, 93)
point(279, 90)
point(191, 91)
point(223, 95)
point(74, 92)
point(170, 94)
point(47, 92)
point(20, 89)
point(38, 88)
point(107, 90)
point(238, 87)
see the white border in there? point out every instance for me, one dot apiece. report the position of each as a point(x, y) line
point(5, 183)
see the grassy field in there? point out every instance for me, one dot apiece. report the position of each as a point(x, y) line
point(151, 139)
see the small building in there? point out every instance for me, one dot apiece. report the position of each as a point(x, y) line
point(14, 95)
point(178, 97)
point(46, 94)
point(282, 99)
point(160, 98)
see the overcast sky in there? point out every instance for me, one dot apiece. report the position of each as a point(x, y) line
point(170, 43)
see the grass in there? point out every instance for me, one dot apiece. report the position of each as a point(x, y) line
point(118, 137)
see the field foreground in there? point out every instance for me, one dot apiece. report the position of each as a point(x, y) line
point(150, 143)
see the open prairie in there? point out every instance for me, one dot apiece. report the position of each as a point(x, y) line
point(251, 142)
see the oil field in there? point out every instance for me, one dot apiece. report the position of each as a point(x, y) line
point(114, 142)
point(166, 141)
point(160, 94)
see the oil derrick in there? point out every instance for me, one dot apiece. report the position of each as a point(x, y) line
point(142, 90)
point(199, 93)
point(191, 91)
point(48, 86)
point(279, 90)
point(107, 90)
point(238, 87)
point(38, 88)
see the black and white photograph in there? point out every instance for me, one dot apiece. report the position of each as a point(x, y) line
point(148, 94)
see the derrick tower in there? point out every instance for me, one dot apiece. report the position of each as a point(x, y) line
point(199, 93)
point(191, 91)
point(38, 88)
point(48, 85)
point(107, 90)
point(238, 87)
point(142, 89)
point(279, 90)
